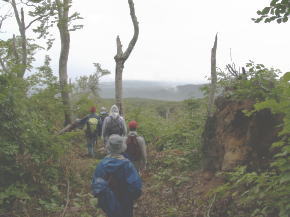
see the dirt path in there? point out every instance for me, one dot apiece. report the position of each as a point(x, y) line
point(166, 191)
point(82, 203)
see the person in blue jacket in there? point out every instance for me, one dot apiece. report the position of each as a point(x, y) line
point(93, 129)
point(116, 183)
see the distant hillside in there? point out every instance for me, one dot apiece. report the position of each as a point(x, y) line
point(153, 90)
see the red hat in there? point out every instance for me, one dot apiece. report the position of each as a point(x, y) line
point(132, 125)
point(93, 109)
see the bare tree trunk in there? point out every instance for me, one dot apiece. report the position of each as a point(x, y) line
point(213, 79)
point(22, 30)
point(119, 76)
point(63, 9)
point(121, 58)
point(21, 62)
point(207, 159)
point(119, 86)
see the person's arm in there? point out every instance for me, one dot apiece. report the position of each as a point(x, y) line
point(124, 126)
point(134, 181)
point(99, 130)
point(76, 124)
point(98, 184)
point(104, 127)
point(83, 121)
point(143, 148)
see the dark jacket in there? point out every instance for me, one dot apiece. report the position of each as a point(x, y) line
point(113, 204)
point(102, 116)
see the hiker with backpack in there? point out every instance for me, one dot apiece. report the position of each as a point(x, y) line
point(103, 115)
point(113, 124)
point(136, 147)
point(116, 183)
point(92, 129)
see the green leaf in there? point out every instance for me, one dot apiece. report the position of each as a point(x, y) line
point(286, 149)
point(282, 154)
point(273, 2)
point(284, 2)
point(277, 144)
point(285, 178)
point(286, 76)
point(265, 10)
point(93, 202)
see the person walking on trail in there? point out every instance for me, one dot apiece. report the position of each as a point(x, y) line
point(113, 124)
point(136, 147)
point(92, 129)
point(103, 115)
point(116, 183)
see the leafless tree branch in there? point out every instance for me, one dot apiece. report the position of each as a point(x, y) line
point(21, 25)
point(38, 18)
point(232, 70)
point(121, 57)
point(3, 18)
point(16, 13)
point(136, 30)
point(119, 47)
point(28, 4)
point(67, 198)
point(213, 78)
point(210, 206)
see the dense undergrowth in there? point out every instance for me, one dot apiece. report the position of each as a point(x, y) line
point(262, 191)
point(45, 174)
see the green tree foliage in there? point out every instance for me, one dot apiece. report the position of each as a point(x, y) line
point(172, 131)
point(91, 84)
point(86, 91)
point(46, 12)
point(278, 10)
point(50, 13)
point(255, 83)
point(179, 129)
point(10, 51)
point(30, 155)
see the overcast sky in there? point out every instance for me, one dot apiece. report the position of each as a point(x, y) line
point(175, 38)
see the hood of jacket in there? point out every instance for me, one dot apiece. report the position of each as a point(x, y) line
point(114, 111)
point(111, 164)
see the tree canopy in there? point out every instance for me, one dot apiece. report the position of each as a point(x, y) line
point(278, 10)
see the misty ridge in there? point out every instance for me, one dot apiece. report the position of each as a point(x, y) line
point(158, 90)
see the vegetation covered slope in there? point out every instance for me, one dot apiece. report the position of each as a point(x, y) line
point(259, 185)
point(45, 174)
point(245, 151)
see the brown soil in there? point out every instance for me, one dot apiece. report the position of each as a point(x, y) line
point(190, 199)
point(231, 138)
